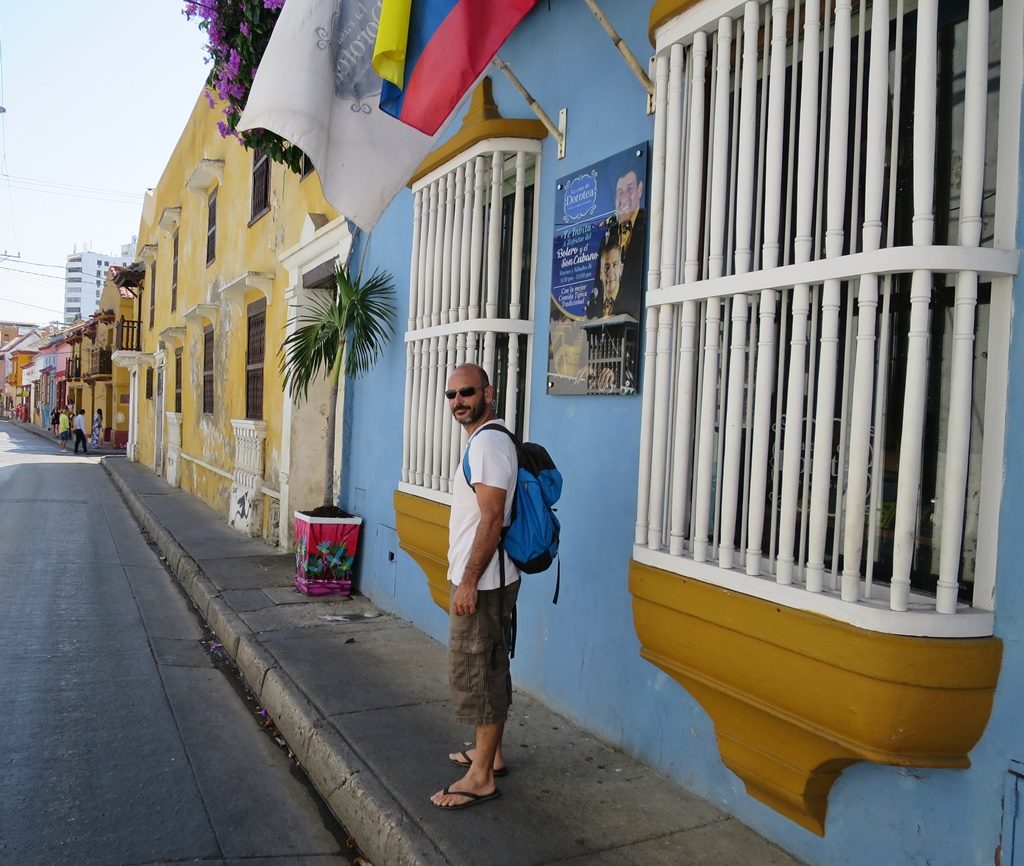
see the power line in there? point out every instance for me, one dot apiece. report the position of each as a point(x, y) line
point(111, 199)
point(56, 184)
point(21, 261)
point(34, 273)
point(33, 306)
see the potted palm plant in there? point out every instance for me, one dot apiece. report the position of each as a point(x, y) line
point(344, 331)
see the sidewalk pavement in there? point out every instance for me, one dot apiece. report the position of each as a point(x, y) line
point(361, 696)
point(106, 449)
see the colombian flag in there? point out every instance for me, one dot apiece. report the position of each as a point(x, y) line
point(429, 53)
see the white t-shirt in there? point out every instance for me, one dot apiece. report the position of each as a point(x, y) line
point(492, 461)
point(80, 422)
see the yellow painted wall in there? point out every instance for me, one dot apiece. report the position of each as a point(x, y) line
point(21, 361)
point(240, 248)
point(113, 397)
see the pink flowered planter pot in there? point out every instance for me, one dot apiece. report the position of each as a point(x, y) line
point(325, 548)
point(323, 587)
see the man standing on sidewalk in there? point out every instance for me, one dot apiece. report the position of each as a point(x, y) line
point(63, 429)
point(480, 612)
point(80, 432)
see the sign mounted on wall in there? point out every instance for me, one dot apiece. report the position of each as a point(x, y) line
point(598, 276)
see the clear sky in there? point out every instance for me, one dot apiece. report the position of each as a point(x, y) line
point(96, 96)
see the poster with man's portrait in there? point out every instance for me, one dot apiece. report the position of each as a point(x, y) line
point(598, 276)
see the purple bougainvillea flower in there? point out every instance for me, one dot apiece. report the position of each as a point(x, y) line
point(237, 32)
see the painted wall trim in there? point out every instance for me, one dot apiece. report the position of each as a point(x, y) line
point(207, 466)
point(796, 697)
point(872, 614)
point(422, 528)
point(483, 121)
point(662, 12)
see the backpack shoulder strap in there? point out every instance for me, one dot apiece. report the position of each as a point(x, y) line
point(487, 426)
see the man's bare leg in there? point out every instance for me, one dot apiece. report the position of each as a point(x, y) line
point(479, 778)
point(499, 757)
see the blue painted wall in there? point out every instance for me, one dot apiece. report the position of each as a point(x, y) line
point(582, 657)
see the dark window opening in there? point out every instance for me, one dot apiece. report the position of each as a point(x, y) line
point(152, 294)
point(177, 380)
point(211, 228)
point(208, 371)
point(502, 358)
point(174, 274)
point(260, 185)
point(254, 352)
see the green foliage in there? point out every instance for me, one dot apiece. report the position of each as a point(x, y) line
point(238, 32)
point(356, 320)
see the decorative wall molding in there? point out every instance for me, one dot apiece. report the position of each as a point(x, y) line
point(236, 290)
point(202, 314)
point(797, 697)
point(170, 219)
point(174, 337)
point(204, 175)
point(173, 471)
point(245, 504)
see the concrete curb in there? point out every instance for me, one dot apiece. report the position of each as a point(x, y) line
point(385, 831)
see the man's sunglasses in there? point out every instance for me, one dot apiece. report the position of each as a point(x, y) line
point(468, 391)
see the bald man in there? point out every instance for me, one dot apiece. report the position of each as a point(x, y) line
point(480, 612)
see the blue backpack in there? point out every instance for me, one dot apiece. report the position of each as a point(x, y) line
point(531, 538)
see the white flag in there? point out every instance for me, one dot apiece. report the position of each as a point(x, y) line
point(316, 88)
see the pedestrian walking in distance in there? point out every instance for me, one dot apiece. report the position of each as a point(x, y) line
point(80, 432)
point(97, 428)
point(64, 429)
point(480, 611)
point(55, 420)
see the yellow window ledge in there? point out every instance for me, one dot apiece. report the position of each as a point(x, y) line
point(422, 527)
point(797, 697)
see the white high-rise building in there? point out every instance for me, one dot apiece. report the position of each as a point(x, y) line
point(83, 279)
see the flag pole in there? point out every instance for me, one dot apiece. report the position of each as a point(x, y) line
point(557, 132)
point(624, 49)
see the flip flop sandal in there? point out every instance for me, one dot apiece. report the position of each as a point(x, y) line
point(474, 799)
point(468, 760)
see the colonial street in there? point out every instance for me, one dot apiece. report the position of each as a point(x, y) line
point(122, 742)
point(152, 759)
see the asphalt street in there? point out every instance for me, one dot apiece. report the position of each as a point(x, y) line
point(121, 742)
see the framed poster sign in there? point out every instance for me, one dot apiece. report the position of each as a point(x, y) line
point(598, 276)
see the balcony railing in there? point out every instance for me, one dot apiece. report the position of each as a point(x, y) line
point(128, 335)
point(99, 363)
point(826, 338)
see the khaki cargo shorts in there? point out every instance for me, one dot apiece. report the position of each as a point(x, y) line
point(478, 669)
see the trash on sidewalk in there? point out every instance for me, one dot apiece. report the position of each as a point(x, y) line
point(349, 617)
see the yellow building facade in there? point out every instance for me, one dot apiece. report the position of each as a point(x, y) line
point(207, 403)
point(92, 381)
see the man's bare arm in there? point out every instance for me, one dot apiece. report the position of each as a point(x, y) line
point(491, 501)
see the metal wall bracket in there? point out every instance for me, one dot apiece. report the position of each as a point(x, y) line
point(556, 132)
point(650, 93)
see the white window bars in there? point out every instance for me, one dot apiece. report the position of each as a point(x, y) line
point(470, 299)
point(828, 305)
